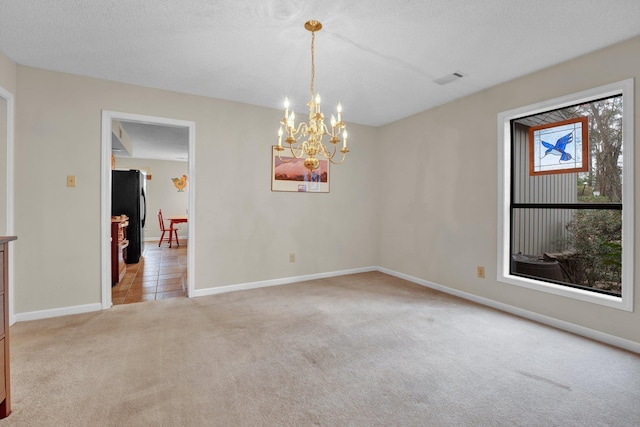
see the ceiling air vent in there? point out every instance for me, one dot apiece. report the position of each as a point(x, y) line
point(449, 78)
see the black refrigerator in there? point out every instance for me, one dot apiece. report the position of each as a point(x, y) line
point(128, 197)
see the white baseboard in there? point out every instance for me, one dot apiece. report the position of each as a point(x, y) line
point(556, 323)
point(56, 312)
point(276, 282)
point(550, 321)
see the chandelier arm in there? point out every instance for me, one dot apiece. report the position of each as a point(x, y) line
point(344, 156)
point(293, 132)
point(325, 152)
point(296, 152)
point(283, 160)
point(295, 138)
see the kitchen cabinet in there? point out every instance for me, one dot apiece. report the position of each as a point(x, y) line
point(119, 244)
point(5, 389)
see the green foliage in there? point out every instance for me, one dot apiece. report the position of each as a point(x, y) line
point(613, 256)
point(596, 239)
point(593, 199)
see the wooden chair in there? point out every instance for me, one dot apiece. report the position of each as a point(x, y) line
point(164, 230)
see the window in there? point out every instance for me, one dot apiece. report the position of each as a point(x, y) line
point(566, 196)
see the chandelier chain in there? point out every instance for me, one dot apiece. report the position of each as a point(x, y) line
point(313, 65)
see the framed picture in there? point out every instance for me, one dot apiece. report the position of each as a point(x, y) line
point(289, 174)
point(560, 147)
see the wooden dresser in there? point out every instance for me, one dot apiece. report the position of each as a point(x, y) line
point(5, 389)
point(119, 244)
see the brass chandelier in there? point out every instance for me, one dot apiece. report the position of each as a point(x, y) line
point(316, 129)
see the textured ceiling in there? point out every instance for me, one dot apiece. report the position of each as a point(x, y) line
point(378, 57)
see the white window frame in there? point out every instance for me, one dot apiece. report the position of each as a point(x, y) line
point(624, 88)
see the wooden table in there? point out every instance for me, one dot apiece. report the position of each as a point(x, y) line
point(175, 220)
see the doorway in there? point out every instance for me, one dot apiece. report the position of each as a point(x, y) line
point(136, 121)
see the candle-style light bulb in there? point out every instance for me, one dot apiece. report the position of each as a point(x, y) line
point(339, 112)
point(292, 119)
point(333, 121)
point(286, 107)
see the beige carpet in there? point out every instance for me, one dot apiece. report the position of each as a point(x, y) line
point(360, 350)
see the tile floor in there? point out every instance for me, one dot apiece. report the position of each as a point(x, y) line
point(161, 273)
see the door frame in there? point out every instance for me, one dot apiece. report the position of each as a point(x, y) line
point(10, 200)
point(105, 217)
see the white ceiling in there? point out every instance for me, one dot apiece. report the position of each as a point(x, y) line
point(378, 57)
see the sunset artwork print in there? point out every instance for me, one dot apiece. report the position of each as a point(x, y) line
point(559, 147)
point(289, 174)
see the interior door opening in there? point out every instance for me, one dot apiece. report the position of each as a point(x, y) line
point(140, 155)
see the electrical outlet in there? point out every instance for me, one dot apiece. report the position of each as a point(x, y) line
point(71, 181)
point(292, 257)
point(480, 272)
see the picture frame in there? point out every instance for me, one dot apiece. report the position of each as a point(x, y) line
point(289, 174)
point(559, 147)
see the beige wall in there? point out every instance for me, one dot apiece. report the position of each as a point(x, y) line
point(439, 192)
point(430, 212)
point(245, 231)
point(161, 193)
